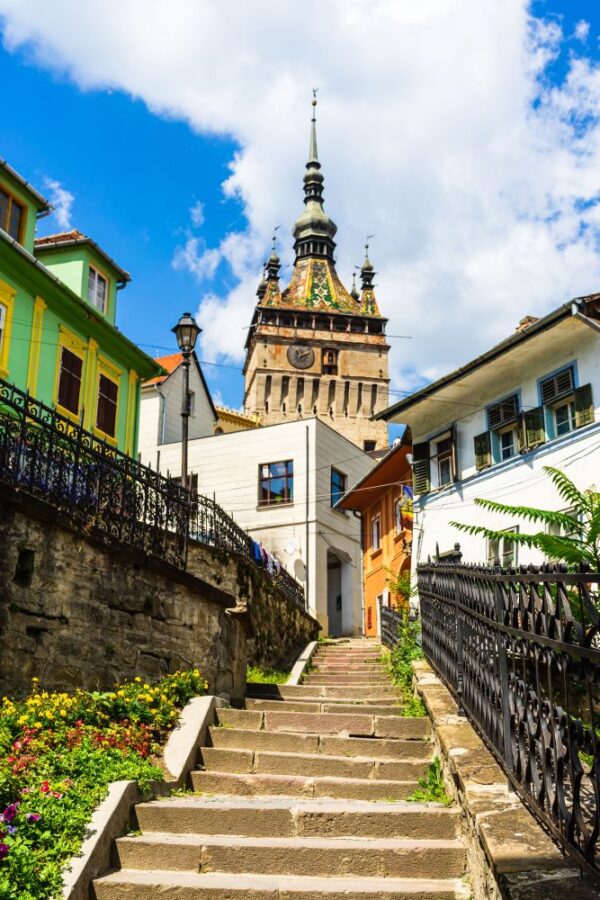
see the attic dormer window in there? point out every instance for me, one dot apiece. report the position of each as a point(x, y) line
point(97, 290)
point(11, 215)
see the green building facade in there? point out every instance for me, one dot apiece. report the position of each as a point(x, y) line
point(58, 340)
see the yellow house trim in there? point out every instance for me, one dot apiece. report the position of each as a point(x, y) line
point(7, 299)
point(131, 410)
point(105, 367)
point(90, 380)
point(36, 343)
point(77, 346)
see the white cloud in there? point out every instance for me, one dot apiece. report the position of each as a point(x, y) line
point(62, 200)
point(438, 131)
point(197, 213)
point(202, 263)
point(582, 30)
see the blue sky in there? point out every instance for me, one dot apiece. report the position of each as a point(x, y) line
point(135, 173)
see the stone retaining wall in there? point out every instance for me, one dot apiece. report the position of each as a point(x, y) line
point(77, 613)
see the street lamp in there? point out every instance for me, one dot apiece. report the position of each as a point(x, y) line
point(186, 331)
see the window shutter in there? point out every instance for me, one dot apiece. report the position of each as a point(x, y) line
point(503, 413)
point(557, 386)
point(454, 453)
point(584, 406)
point(421, 468)
point(534, 427)
point(483, 450)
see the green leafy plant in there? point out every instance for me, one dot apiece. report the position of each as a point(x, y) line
point(59, 752)
point(579, 542)
point(401, 586)
point(399, 662)
point(256, 675)
point(431, 787)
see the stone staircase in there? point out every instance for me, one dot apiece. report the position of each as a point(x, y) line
point(302, 795)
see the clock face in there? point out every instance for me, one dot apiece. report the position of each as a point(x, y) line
point(301, 356)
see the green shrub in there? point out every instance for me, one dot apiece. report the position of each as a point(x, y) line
point(399, 662)
point(58, 754)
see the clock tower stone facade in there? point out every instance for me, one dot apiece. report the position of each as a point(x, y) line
point(314, 348)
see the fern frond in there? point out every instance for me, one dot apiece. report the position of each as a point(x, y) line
point(547, 516)
point(515, 537)
point(566, 488)
point(571, 551)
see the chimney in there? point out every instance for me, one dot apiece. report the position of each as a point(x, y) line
point(526, 322)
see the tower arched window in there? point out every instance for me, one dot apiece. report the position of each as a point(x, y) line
point(329, 362)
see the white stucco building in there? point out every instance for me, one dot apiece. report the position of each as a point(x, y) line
point(160, 405)
point(488, 429)
point(279, 482)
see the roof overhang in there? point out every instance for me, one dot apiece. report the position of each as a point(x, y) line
point(55, 247)
point(42, 205)
point(391, 470)
point(461, 391)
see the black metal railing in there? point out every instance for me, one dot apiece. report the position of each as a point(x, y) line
point(45, 454)
point(520, 649)
point(391, 620)
point(109, 494)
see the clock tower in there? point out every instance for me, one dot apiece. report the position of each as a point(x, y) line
point(314, 348)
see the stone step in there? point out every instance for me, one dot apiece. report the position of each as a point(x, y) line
point(310, 691)
point(325, 744)
point(326, 723)
point(331, 857)
point(348, 669)
point(330, 706)
point(339, 659)
point(140, 885)
point(249, 785)
point(326, 765)
point(282, 817)
point(346, 678)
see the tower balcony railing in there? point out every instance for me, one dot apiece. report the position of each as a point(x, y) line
point(107, 493)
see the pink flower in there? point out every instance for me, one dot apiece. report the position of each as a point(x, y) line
point(44, 787)
point(9, 813)
point(3, 851)
point(32, 817)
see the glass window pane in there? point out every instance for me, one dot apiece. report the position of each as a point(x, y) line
point(278, 468)
point(106, 416)
point(69, 384)
point(16, 217)
point(4, 204)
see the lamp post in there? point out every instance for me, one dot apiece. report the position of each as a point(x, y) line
point(186, 331)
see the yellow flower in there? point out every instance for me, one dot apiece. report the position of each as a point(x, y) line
point(146, 687)
point(137, 678)
point(120, 693)
point(37, 724)
point(63, 713)
point(206, 685)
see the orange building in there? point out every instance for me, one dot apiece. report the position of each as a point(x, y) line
point(384, 500)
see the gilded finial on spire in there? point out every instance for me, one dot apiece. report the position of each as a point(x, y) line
point(274, 264)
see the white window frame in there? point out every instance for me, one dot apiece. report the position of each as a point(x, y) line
point(398, 526)
point(511, 429)
point(569, 403)
point(94, 279)
point(376, 533)
point(502, 551)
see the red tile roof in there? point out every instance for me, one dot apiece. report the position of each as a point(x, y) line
point(60, 237)
point(169, 363)
point(64, 238)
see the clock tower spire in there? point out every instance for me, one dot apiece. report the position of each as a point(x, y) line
point(314, 348)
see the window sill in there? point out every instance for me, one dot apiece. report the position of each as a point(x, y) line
point(376, 553)
point(109, 439)
point(74, 417)
point(262, 506)
point(3, 372)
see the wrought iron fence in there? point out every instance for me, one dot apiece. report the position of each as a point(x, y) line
point(520, 649)
point(108, 493)
point(391, 619)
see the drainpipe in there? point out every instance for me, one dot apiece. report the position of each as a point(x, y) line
point(357, 514)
